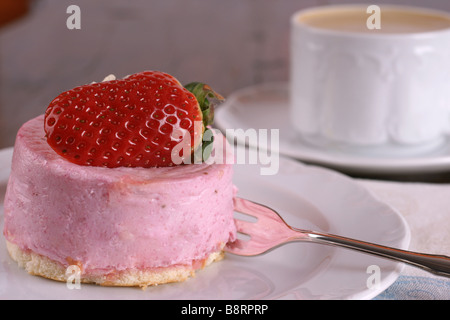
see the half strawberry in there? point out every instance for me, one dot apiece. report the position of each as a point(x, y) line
point(137, 121)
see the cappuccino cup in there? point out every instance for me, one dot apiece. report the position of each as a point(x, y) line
point(360, 83)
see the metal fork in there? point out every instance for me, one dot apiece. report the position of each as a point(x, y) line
point(271, 231)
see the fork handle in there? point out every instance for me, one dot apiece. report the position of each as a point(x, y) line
point(436, 264)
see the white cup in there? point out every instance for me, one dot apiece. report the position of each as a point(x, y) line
point(387, 87)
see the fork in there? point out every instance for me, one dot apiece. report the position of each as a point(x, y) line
point(270, 231)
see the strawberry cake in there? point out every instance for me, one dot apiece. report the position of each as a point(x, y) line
point(93, 185)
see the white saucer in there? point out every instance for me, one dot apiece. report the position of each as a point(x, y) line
point(266, 106)
point(306, 196)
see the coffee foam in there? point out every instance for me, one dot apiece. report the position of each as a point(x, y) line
point(393, 20)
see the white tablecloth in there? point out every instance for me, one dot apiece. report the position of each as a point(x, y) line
point(426, 208)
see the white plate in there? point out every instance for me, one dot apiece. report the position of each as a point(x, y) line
point(305, 196)
point(266, 106)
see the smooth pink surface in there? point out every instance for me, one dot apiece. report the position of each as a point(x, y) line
point(114, 219)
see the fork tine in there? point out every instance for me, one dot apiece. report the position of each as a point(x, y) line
point(236, 247)
point(267, 218)
point(244, 226)
point(258, 211)
point(267, 232)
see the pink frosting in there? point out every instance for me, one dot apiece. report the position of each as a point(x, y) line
point(114, 219)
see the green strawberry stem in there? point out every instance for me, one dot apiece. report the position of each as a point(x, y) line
point(207, 100)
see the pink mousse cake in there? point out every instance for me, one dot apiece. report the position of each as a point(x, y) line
point(121, 226)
